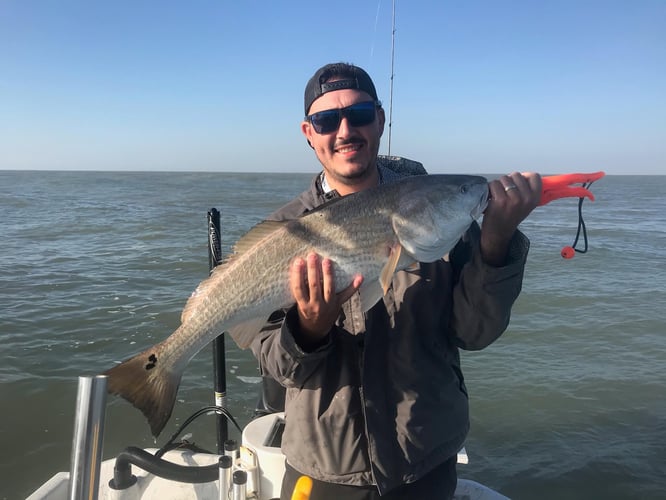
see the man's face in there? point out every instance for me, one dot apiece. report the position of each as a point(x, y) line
point(348, 154)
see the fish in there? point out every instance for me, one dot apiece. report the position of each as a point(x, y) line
point(375, 232)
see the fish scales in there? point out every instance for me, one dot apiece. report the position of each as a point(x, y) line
point(374, 233)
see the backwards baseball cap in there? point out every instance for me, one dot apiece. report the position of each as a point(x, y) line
point(347, 76)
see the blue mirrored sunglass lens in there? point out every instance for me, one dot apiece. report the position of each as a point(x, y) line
point(358, 115)
point(325, 121)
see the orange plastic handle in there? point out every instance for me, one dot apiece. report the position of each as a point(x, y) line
point(302, 489)
point(560, 186)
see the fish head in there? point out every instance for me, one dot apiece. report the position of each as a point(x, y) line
point(435, 211)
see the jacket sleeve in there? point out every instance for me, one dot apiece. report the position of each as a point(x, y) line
point(483, 295)
point(280, 357)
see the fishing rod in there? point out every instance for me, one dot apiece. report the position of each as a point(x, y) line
point(390, 124)
point(219, 355)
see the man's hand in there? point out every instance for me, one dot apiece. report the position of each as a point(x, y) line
point(512, 199)
point(313, 287)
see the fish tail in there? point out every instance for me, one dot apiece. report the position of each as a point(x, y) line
point(147, 382)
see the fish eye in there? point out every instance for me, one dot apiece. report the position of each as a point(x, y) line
point(464, 189)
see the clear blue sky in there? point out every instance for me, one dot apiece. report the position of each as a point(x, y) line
point(480, 86)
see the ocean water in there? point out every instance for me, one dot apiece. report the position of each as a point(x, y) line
point(95, 266)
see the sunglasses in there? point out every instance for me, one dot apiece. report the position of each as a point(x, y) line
point(358, 115)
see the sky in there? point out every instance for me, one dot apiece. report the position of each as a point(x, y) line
point(479, 86)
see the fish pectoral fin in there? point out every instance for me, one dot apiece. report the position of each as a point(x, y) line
point(244, 333)
point(389, 268)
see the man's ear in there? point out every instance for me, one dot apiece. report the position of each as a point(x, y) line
point(306, 129)
point(381, 120)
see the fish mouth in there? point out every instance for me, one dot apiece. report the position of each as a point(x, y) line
point(480, 207)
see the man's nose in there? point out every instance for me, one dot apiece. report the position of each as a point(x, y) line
point(345, 128)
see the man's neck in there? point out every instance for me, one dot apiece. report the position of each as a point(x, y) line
point(330, 183)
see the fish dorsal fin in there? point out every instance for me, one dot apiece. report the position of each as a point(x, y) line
point(268, 227)
point(247, 241)
point(328, 203)
point(256, 234)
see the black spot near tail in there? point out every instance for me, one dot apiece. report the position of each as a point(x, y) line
point(152, 362)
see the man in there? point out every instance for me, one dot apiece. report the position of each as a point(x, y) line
point(375, 403)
